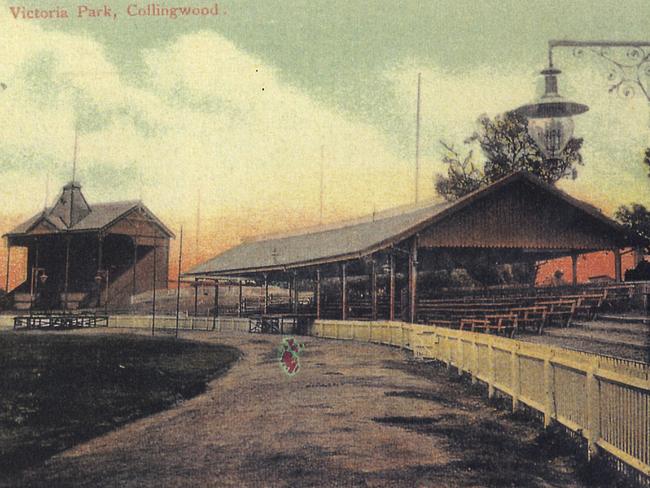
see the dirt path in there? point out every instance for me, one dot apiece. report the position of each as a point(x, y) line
point(355, 415)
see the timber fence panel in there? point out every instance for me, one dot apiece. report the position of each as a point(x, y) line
point(604, 399)
point(502, 369)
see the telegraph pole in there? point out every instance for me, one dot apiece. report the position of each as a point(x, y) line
point(417, 143)
point(178, 279)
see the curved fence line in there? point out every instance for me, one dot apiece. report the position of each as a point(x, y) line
point(603, 399)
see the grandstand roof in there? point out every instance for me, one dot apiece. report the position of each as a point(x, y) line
point(368, 235)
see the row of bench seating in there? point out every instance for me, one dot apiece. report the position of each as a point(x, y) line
point(505, 315)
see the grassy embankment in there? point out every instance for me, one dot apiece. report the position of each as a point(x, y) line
point(60, 389)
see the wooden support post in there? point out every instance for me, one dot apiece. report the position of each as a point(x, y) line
point(178, 282)
point(391, 288)
point(196, 299)
point(491, 369)
point(617, 266)
point(33, 279)
point(295, 293)
point(413, 279)
point(460, 355)
point(549, 402)
point(216, 305)
point(373, 289)
point(8, 266)
point(474, 362)
point(134, 288)
point(153, 301)
point(448, 353)
point(67, 274)
point(240, 310)
point(574, 269)
point(100, 250)
point(344, 292)
point(265, 310)
point(290, 286)
point(515, 377)
point(638, 255)
point(318, 292)
point(593, 409)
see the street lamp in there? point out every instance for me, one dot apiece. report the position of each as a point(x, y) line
point(550, 121)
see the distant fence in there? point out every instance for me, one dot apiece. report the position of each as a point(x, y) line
point(184, 322)
point(605, 400)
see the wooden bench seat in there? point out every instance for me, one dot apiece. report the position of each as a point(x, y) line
point(533, 317)
point(559, 312)
point(505, 325)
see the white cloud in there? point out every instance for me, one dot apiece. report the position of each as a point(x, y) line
point(201, 121)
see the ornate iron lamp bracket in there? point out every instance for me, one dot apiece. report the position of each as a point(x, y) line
point(628, 63)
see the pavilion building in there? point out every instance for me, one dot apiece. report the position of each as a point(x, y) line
point(82, 256)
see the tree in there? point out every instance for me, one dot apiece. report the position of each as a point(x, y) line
point(635, 218)
point(507, 147)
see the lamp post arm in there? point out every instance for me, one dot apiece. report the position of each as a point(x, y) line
point(629, 62)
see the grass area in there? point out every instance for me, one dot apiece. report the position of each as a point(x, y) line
point(61, 389)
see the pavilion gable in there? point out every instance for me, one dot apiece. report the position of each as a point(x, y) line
point(522, 215)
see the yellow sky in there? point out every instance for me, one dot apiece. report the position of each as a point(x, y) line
point(208, 117)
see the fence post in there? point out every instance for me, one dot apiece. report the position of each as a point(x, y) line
point(461, 358)
point(491, 372)
point(448, 352)
point(475, 361)
point(549, 387)
point(514, 377)
point(337, 329)
point(593, 408)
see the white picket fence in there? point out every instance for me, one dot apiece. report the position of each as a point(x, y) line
point(605, 400)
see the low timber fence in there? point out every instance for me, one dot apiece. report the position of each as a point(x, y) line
point(602, 399)
point(218, 324)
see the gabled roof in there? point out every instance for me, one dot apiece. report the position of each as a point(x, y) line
point(362, 237)
point(76, 215)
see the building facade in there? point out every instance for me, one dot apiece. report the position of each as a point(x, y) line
point(82, 256)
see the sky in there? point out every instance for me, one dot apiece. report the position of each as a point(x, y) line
point(221, 123)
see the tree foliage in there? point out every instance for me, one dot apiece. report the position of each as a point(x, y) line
point(635, 218)
point(507, 147)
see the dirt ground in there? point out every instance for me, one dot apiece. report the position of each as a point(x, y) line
point(354, 415)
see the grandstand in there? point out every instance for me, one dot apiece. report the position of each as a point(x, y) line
point(370, 268)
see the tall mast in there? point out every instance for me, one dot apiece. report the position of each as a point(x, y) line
point(198, 222)
point(74, 155)
point(74, 170)
point(322, 171)
point(417, 143)
point(47, 189)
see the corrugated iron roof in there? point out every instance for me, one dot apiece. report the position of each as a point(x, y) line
point(358, 239)
point(99, 216)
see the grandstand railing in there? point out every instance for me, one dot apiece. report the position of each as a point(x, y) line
point(605, 400)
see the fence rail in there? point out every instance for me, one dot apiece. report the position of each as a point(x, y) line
point(184, 322)
point(605, 400)
point(60, 321)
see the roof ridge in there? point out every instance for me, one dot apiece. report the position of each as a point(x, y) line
point(342, 224)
